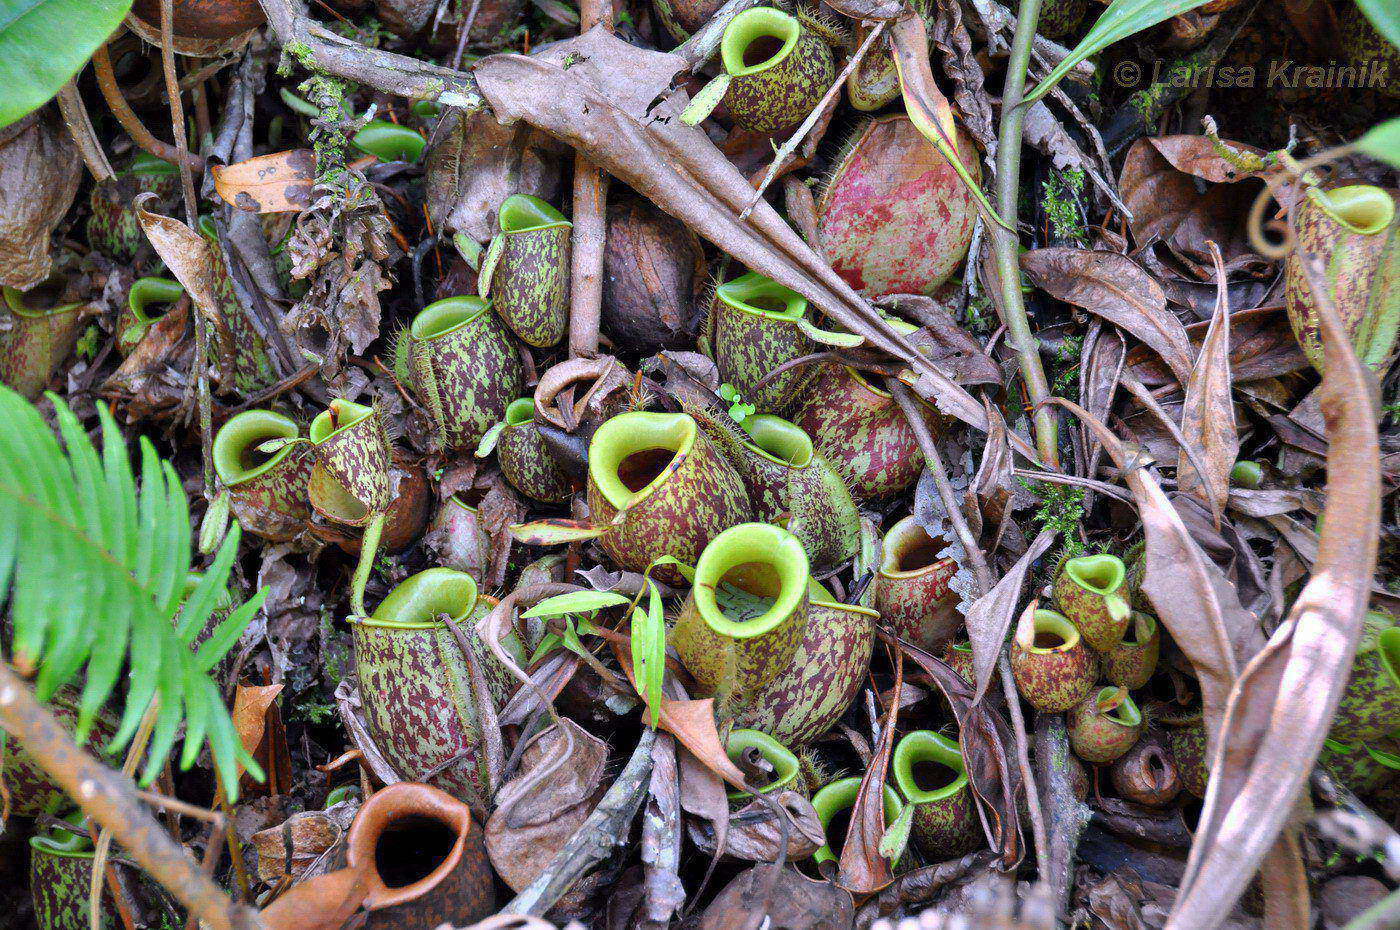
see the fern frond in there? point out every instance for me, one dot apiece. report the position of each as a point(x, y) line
point(93, 565)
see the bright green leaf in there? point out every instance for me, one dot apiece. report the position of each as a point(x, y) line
point(649, 651)
point(43, 43)
point(1122, 19)
point(1385, 16)
point(897, 834)
point(1383, 142)
point(575, 602)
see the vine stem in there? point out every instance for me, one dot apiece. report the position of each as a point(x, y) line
point(110, 799)
point(1004, 242)
point(107, 84)
point(369, 548)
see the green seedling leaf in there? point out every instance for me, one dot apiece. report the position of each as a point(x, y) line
point(575, 602)
point(43, 43)
point(649, 651)
point(1122, 19)
point(488, 442)
point(1383, 142)
point(897, 834)
point(555, 532)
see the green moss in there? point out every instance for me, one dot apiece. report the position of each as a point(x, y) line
point(1061, 508)
point(1060, 201)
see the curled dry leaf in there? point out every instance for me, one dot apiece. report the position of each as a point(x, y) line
point(863, 868)
point(39, 176)
point(990, 616)
point(1161, 185)
point(1280, 709)
point(791, 901)
point(550, 797)
point(1208, 419)
point(1118, 289)
point(288, 851)
point(276, 183)
point(755, 834)
point(1261, 346)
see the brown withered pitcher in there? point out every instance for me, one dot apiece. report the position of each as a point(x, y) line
point(415, 860)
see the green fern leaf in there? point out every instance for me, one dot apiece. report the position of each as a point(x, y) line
point(94, 565)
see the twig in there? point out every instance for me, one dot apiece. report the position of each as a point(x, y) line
point(102, 872)
point(698, 48)
point(1039, 834)
point(165, 802)
point(107, 84)
point(790, 146)
point(1004, 244)
point(110, 799)
point(606, 828)
point(914, 414)
point(590, 223)
point(75, 116)
point(386, 71)
point(1068, 814)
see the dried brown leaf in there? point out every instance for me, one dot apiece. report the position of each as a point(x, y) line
point(1208, 419)
point(990, 616)
point(536, 813)
point(279, 182)
point(1118, 289)
point(755, 834)
point(1281, 707)
point(603, 107)
point(39, 177)
point(863, 869)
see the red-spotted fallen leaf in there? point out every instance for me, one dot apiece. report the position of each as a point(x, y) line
point(276, 183)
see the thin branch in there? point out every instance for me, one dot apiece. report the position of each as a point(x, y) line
point(790, 146)
point(110, 799)
point(1004, 244)
point(107, 84)
point(698, 48)
point(75, 116)
point(590, 223)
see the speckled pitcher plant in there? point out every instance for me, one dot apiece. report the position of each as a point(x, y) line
point(460, 361)
point(912, 589)
point(733, 654)
point(1104, 725)
point(929, 770)
point(860, 430)
point(757, 325)
point(1053, 668)
point(838, 796)
point(893, 215)
point(1355, 231)
point(135, 320)
point(267, 470)
point(1370, 706)
point(34, 340)
point(791, 485)
point(241, 350)
point(1090, 591)
point(657, 486)
point(526, 459)
point(733, 635)
point(1131, 662)
point(417, 686)
point(526, 270)
point(112, 228)
point(60, 879)
point(349, 481)
point(776, 70)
